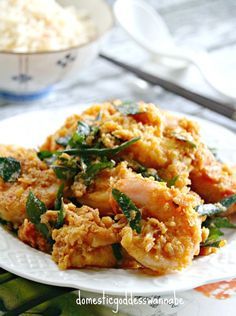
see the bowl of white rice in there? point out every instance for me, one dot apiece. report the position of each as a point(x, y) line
point(43, 43)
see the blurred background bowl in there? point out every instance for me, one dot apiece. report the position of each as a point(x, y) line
point(29, 76)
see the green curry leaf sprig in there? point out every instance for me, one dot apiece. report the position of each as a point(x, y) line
point(129, 209)
point(93, 169)
point(129, 108)
point(84, 155)
point(216, 208)
point(101, 152)
point(59, 197)
point(79, 137)
point(144, 171)
point(214, 223)
point(10, 169)
point(185, 139)
point(215, 233)
point(66, 167)
point(117, 251)
point(35, 208)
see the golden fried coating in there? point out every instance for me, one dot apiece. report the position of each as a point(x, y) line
point(160, 146)
point(67, 129)
point(85, 239)
point(170, 236)
point(98, 195)
point(29, 235)
point(35, 175)
point(166, 172)
point(170, 144)
point(171, 228)
point(211, 179)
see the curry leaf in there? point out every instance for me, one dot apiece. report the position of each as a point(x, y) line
point(94, 131)
point(83, 128)
point(171, 182)
point(63, 141)
point(214, 234)
point(219, 222)
point(61, 215)
point(222, 222)
point(78, 138)
point(3, 222)
point(214, 225)
point(117, 251)
point(136, 166)
point(64, 172)
point(184, 139)
point(94, 169)
point(145, 172)
point(215, 244)
point(66, 168)
point(43, 229)
point(49, 157)
point(228, 201)
point(129, 108)
point(217, 208)
point(130, 210)
point(58, 201)
point(102, 152)
point(149, 172)
point(44, 154)
point(34, 209)
point(6, 223)
point(10, 169)
point(210, 209)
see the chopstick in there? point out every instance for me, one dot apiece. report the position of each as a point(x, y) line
point(222, 108)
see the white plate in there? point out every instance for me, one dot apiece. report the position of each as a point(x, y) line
point(30, 130)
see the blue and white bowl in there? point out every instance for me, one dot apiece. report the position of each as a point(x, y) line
point(28, 76)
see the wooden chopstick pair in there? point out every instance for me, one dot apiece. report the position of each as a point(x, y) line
point(222, 108)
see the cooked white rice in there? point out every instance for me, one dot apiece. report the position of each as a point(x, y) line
point(42, 25)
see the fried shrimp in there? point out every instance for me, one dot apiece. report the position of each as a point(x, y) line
point(211, 179)
point(147, 193)
point(98, 194)
point(168, 147)
point(85, 239)
point(171, 229)
point(35, 175)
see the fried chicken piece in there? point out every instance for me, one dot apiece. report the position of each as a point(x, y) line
point(35, 176)
point(211, 179)
point(85, 239)
point(171, 229)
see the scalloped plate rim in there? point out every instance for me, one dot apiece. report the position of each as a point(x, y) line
point(92, 287)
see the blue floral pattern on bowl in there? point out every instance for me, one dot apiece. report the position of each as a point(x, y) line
point(65, 61)
point(22, 78)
